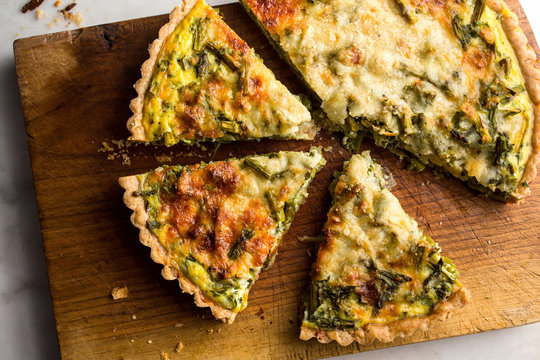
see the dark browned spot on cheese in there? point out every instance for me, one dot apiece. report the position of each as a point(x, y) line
point(275, 13)
point(208, 215)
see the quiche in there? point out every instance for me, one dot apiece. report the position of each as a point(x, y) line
point(202, 82)
point(452, 84)
point(377, 276)
point(214, 227)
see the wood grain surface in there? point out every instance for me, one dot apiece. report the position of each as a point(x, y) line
point(76, 87)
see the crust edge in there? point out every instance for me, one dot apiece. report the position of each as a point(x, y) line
point(159, 254)
point(530, 69)
point(388, 332)
point(134, 123)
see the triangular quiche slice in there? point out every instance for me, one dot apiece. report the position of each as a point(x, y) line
point(452, 84)
point(377, 276)
point(202, 82)
point(216, 226)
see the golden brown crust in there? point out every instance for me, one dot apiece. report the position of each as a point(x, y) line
point(159, 254)
point(387, 332)
point(134, 123)
point(531, 73)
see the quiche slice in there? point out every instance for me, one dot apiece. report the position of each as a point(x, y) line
point(204, 83)
point(214, 227)
point(377, 276)
point(452, 83)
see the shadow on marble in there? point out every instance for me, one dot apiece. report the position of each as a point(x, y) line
point(27, 316)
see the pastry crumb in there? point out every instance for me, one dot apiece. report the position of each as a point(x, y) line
point(164, 356)
point(178, 325)
point(148, 341)
point(105, 147)
point(78, 19)
point(66, 13)
point(118, 143)
point(179, 347)
point(120, 152)
point(163, 158)
point(125, 159)
point(132, 340)
point(134, 317)
point(120, 292)
point(210, 331)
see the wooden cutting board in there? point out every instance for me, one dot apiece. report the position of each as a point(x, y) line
point(76, 87)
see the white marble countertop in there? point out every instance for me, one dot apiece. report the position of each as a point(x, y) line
point(28, 329)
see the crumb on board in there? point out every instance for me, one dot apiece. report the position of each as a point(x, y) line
point(132, 340)
point(120, 292)
point(178, 325)
point(164, 356)
point(125, 159)
point(133, 317)
point(120, 152)
point(148, 341)
point(163, 158)
point(210, 331)
point(179, 347)
point(105, 147)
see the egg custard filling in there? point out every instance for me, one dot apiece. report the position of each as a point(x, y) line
point(377, 276)
point(216, 226)
point(204, 83)
point(435, 81)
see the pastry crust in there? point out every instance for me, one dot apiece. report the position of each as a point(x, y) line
point(530, 69)
point(134, 123)
point(159, 254)
point(387, 332)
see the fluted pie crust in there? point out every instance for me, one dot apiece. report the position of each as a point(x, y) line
point(388, 332)
point(159, 254)
point(134, 123)
point(530, 69)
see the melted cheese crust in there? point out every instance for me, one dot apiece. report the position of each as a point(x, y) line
point(429, 77)
point(375, 265)
point(208, 84)
point(223, 222)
